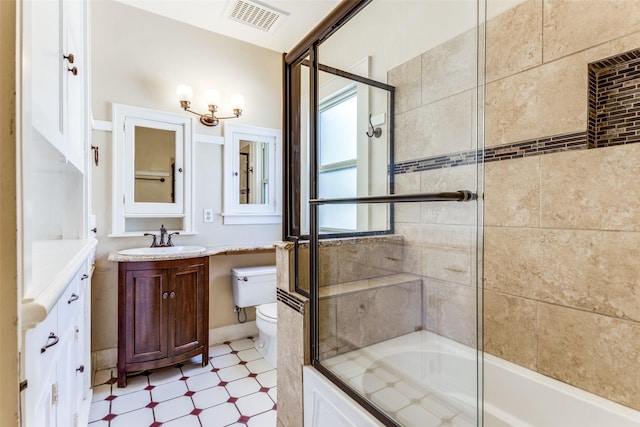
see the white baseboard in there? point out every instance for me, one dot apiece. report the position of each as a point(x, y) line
point(105, 359)
point(232, 332)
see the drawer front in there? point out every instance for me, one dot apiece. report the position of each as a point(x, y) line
point(71, 303)
point(42, 345)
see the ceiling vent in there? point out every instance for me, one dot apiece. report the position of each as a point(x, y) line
point(256, 14)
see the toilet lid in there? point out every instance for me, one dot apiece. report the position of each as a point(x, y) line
point(269, 310)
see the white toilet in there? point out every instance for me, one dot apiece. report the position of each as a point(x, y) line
point(256, 286)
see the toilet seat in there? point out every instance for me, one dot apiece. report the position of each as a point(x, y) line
point(268, 312)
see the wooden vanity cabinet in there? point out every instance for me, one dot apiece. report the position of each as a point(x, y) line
point(163, 314)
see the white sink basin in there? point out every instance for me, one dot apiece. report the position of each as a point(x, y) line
point(171, 250)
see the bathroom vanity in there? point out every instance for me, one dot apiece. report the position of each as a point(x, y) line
point(163, 313)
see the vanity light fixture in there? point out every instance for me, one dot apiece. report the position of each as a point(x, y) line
point(185, 95)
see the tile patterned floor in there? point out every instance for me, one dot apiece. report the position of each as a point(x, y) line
point(237, 388)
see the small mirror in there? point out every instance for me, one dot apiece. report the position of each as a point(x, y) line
point(155, 157)
point(152, 170)
point(254, 172)
point(252, 175)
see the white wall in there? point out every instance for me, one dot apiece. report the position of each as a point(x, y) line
point(138, 59)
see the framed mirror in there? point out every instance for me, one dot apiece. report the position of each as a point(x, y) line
point(152, 168)
point(252, 176)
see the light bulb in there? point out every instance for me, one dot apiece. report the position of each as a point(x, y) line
point(212, 97)
point(237, 102)
point(184, 92)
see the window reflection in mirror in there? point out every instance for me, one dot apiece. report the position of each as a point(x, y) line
point(154, 165)
point(254, 172)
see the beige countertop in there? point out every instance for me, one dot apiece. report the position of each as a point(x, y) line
point(208, 251)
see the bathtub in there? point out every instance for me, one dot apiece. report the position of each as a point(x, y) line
point(422, 379)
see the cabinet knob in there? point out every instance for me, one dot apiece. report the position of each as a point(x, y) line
point(172, 294)
point(51, 341)
point(165, 295)
point(69, 58)
point(80, 369)
point(73, 70)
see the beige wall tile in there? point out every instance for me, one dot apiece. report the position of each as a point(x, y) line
point(407, 79)
point(448, 252)
point(413, 259)
point(512, 192)
point(592, 189)
point(450, 68)
point(407, 183)
point(450, 310)
point(444, 180)
point(327, 327)
point(293, 353)
point(442, 127)
point(571, 26)
point(398, 311)
point(543, 101)
point(510, 328)
point(596, 353)
point(514, 40)
point(591, 270)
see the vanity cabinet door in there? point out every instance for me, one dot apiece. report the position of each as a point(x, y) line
point(163, 314)
point(146, 303)
point(188, 304)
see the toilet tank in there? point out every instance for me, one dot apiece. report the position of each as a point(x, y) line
point(254, 285)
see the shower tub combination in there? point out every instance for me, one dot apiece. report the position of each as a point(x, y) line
point(422, 379)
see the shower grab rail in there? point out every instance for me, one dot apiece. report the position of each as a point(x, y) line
point(456, 196)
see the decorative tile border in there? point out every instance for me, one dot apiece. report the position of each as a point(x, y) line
point(614, 100)
point(290, 300)
point(534, 147)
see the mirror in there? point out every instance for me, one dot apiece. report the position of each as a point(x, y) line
point(254, 172)
point(152, 171)
point(251, 176)
point(154, 155)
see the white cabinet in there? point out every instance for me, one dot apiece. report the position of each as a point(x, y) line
point(57, 360)
point(54, 47)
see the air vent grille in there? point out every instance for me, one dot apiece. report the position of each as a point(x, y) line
point(256, 14)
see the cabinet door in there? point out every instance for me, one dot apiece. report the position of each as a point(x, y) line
point(44, 26)
point(187, 329)
point(75, 102)
point(146, 314)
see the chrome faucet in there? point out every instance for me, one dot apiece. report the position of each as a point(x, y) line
point(163, 234)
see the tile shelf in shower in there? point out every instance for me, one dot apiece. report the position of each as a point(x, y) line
point(367, 284)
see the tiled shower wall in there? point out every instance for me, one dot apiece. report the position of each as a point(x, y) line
point(562, 222)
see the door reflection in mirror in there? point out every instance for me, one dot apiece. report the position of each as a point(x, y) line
point(254, 172)
point(154, 165)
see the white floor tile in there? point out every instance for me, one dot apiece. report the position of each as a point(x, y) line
point(202, 381)
point(168, 391)
point(258, 366)
point(390, 399)
point(102, 376)
point(225, 361)
point(409, 391)
point(267, 419)
point(243, 387)
point(140, 417)
point(367, 383)
point(436, 407)
point(218, 350)
point(417, 416)
point(210, 397)
point(130, 401)
point(462, 421)
point(273, 393)
point(100, 392)
point(187, 421)
point(162, 376)
point(233, 373)
point(220, 415)
point(195, 368)
point(172, 409)
point(249, 355)
point(134, 384)
point(348, 369)
point(99, 410)
point(254, 404)
point(268, 379)
point(244, 344)
point(385, 375)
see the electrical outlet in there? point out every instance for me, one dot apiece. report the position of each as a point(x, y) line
point(208, 215)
